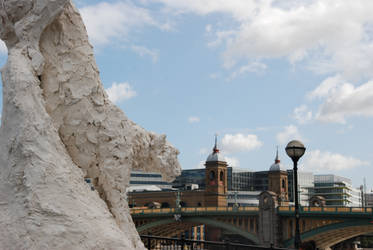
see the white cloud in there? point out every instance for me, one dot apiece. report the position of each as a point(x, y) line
point(302, 114)
point(326, 87)
point(106, 22)
point(214, 75)
point(201, 164)
point(289, 133)
point(325, 161)
point(341, 100)
point(208, 28)
point(193, 119)
point(144, 51)
point(254, 67)
point(203, 151)
point(240, 142)
point(240, 9)
point(330, 36)
point(3, 49)
point(232, 161)
point(120, 91)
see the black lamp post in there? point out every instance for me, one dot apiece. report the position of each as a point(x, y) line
point(295, 150)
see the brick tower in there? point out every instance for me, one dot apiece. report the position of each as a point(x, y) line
point(216, 179)
point(278, 180)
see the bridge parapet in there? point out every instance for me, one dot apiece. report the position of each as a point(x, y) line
point(194, 210)
point(284, 210)
point(336, 211)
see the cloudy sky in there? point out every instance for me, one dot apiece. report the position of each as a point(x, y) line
point(257, 73)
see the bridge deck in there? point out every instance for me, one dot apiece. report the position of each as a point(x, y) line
point(282, 211)
point(195, 210)
point(323, 211)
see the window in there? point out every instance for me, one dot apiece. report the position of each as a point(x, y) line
point(221, 176)
point(212, 175)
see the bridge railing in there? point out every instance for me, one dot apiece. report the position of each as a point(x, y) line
point(284, 209)
point(135, 211)
point(365, 210)
point(158, 243)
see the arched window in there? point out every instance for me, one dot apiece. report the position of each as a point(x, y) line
point(212, 175)
point(283, 184)
point(221, 176)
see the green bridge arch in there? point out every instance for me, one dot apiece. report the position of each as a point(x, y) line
point(206, 221)
point(309, 235)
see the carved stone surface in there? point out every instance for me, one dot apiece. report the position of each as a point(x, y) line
point(58, 127)
point(269, 233)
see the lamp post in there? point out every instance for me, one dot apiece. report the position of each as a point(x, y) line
point(295, 150)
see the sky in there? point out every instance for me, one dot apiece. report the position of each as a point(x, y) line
point(256, 73)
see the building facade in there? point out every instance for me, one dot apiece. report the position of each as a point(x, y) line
point(368, 200)
point(190, 176)
point(305, 183)
point(243, 198)
point(146, 180)
point(336, 190)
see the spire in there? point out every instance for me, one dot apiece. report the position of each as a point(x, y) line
point(277, 160)
point(215, 149)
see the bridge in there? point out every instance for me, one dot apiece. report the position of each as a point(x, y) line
point(266, 225)
point(270, 223)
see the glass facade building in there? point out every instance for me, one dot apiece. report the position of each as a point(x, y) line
point(243, 198)
point(305, 182)
point(260, 181)
point(368, 200)
point(240, 179)
point(191, 176)
point(336, 190)
point(148, 179)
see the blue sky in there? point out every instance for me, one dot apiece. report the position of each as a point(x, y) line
point(257, 73)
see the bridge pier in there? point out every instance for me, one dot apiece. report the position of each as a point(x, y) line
point(269, 222)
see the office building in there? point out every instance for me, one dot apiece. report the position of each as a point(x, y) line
point(305, 183)
point(243, 198)
point(336, 190)
point(190, 176)
point(147, 182)
point(369, 200)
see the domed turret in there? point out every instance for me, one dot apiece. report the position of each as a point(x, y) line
point(215, 155)
point(277, 166)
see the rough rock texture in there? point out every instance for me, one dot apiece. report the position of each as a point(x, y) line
point(58, 127)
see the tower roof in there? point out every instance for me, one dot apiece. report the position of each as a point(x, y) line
point(215, 155)
point(277, 166)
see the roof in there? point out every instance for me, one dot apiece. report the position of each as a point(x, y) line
point(277, 166)
point(215, 155)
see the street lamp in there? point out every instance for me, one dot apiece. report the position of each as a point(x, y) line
point(295, 150)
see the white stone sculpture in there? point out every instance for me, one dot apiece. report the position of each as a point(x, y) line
point(58, 128)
